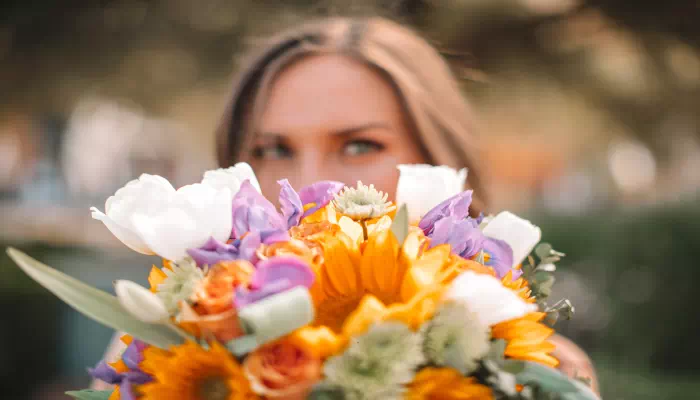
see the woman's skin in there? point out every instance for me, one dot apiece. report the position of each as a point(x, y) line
point(347, 126)
point(331, 117)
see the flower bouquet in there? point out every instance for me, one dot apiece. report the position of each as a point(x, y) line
point(338, 294)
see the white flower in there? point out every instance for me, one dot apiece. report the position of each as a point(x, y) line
point(520, 234)
point(179, 284)
point(151, 217)
point(422, 187)
point(363, 202)
point(141, 302)
point(232, 177)
point(486, 297)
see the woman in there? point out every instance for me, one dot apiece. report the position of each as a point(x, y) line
point(347, 100)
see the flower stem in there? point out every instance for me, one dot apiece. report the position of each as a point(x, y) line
point(364, 228)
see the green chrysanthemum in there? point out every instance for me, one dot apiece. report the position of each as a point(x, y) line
point(455, 338)
point(179, 284)
point(363, 202)
point(378, 363)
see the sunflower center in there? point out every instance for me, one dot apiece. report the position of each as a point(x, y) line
point(214, 388)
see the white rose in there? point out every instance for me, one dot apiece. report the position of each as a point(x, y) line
point(232, 177)
point(486, 296)
point(520, 234)
point(422, 187)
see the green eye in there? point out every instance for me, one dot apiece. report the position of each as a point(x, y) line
point(361, 147)
point(274, 152)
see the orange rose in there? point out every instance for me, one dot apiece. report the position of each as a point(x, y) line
point(215, 293)
point(293, 247)
point(285, 369)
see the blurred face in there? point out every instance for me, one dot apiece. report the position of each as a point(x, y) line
point(329, 117)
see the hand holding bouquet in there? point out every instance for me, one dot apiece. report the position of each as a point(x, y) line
point(336, 293)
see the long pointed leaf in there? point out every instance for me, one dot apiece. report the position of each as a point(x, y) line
point(89, 394)
point(551, 380)
point(93, 303)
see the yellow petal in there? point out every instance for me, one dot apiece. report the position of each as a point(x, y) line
point(339, 270)
point(321, 341)
point(370, 311)
point(155, 278)
point(378, 265)
point(351, 228)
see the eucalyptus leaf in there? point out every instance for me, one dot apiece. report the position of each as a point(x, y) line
point(400, 224)
point(94, 303)
point(496, 351)
point(543, 250)
point(90, 394)
point(552, 381)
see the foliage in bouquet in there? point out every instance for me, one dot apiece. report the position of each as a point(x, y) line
point(335, 294)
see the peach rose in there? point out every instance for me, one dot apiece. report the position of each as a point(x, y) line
point(215, 293)
point(293, 247)
point(285, 369)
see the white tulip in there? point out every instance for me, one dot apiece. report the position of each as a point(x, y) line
point(141, 302)
point(151, 217)
point(143, 195)
point(422, 187)
point(520, 234)
point(486, 296)
point(232, 177)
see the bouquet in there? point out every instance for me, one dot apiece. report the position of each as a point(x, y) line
point(337, 293)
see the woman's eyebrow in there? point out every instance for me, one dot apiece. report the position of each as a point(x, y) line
point(361, 128)
point(348, 131)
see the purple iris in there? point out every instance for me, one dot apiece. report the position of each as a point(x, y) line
point(272, 276)
point(252, 212)
point(132, 356)
point(463, 235)
point(213, 251)
point(449, 223)
point(500, 257)
point(320, 194)
point(456, 206)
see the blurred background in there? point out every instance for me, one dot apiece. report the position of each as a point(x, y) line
point(589, 110)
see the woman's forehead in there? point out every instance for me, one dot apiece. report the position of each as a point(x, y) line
point(329, 92)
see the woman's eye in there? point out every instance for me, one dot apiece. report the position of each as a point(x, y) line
point(360, 147)
point(272, 152)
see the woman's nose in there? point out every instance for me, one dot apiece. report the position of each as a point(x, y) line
point(311, 167)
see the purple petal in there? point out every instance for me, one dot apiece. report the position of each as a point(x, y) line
point(277, 268)
point(290, 203)
point(252, 212)
point(275, 275)
point(456, 206)
point(500, 257)
point(126, 391)
point(248, 246)
point(269, 237)
point(214, 252)
point(245, 297)
point(133, 354)
point(463, 236)
point(105, 373)
point(320, 193)
point(136, 376)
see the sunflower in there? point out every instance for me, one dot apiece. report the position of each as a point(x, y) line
point(519, 286)
point(527, 339)
point(448, 384)
point(189, 372)
point(380, 279)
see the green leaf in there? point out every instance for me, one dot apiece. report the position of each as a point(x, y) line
point(496, 351)
point(543, 250)
point(400, 225)
point(89, 394)
point(552, 381)
point(94, 303)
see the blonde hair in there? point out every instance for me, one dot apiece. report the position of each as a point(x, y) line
point(435, 108)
